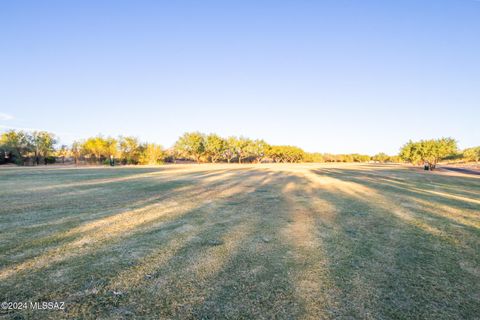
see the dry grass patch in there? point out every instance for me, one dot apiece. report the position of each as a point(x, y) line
point(241, 241)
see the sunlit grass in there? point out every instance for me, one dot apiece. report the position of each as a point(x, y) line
point(241, 241)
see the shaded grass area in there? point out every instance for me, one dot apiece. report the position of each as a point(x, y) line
point(251, 241)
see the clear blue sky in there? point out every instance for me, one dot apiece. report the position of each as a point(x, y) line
point(329, 76)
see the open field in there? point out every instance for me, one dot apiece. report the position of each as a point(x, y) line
point(241, 241)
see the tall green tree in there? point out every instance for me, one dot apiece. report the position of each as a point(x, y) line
point(63, 152)
point(293, 154)
point(428, 151)
point(275, 153)
point(242, 147)
point(215, 147)
point(410, 152)
point(111, 148)
point(43, 144)
point(381, 157)
point(76, 151)
point(314, 157)
point(286, 154)
point(93, 148)
point(472, 154)
point(191, 145)
point(151, 154)
point(16, 144)
point(3, 152)
point(360, 157)
point(100, 148)
point(129, 148)
point(258, 149)
point(230, 149)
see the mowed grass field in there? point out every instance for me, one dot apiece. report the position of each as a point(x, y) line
point(241, 241)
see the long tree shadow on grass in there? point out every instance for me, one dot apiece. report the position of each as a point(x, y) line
point(453, 190)
point(259, 280)
point(463, 204)
point(117, 214)
point(442, 207)
point(53, 223)
point(269, 245)
point(387, 261)
point(77, 265)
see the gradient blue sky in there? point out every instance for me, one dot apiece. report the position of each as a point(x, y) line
point(329, 76)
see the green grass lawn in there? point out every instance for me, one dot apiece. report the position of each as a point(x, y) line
point(251, 241)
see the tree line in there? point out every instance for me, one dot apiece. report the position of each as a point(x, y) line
point(21, 147)
point(213, 148)
point(17, 146)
